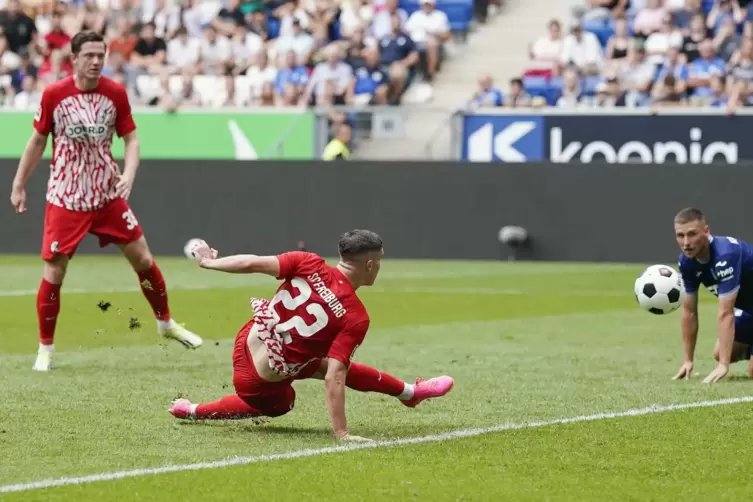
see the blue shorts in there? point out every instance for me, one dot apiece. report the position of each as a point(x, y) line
point(743, 327)
point(744, 330)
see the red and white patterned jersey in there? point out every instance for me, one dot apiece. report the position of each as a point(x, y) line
point(314, 314)
point(83, 172)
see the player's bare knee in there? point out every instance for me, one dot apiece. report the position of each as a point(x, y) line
point(142, 262)
point(138, 255)
point(55, 269)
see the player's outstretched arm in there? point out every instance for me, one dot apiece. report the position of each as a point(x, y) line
point(207, 258)
point(689, 327)
point(244, 264)
point(29, 160)
point(725, 322)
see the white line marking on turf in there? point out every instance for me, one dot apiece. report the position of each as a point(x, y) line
point(463, 433)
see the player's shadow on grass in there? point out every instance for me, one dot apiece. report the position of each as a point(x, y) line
point(259, 427)
point(270, 429)
point(738, 378)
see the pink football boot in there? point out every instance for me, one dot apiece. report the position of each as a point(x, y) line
point(182, 408)
point(428, 389)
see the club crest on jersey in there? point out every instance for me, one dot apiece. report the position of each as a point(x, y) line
point(79, 131)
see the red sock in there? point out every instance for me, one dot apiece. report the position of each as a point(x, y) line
point(155, 291)
point(229, 407)
point(48, 308)
point(367, 379)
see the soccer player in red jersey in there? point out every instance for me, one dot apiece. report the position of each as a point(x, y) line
point(310, 329)
point(86, 192)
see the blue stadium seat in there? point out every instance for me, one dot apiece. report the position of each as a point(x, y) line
point(273, 24)
point(536, 86)
point(589, 85)
point(603, 30)
point(459, 14)
point(554, 91)
point(409, 6)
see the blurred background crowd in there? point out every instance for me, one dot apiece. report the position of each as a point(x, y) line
point(240, 53)
point(637, 53)
point(299, 53)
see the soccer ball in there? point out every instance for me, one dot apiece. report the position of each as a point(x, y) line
point(659, 290)
point(191, 246)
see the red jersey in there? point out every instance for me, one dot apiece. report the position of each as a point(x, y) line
point(83, 172)
point(314, 314)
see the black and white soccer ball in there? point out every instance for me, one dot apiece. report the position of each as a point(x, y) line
point(659, 290)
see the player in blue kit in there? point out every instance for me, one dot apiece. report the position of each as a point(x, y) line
point(724, 265)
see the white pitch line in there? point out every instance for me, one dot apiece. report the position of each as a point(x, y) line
point(462, 433)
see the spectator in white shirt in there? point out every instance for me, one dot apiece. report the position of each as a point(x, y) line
point(659, 42)
point(29, 97)
point(355, 14)
point(246, 47)
point(298, 41)
point(571, 89)
point(259, 75)
point(215, 52)
point(182, 52)
point(637, 78)
point(650, 19)
point(382, 25)
point(166, 19)
point(546, 51)
point(331, 82)
point(582, 49)
point(429, 28)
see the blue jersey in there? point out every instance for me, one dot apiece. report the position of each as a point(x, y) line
point(728, 270)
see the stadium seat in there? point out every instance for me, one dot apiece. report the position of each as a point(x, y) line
point(459, 14)
point(554, 91)
point(147, 86)
point(590, 84)
point(242, 89)
point(409, 6)
point(273, 25)
point(602, 29)
point(536, 86)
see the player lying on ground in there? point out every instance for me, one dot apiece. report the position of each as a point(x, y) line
point(310, 329)
point(86, 192)
point(724, 265)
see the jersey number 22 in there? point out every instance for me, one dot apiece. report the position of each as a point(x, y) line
point(292, 303)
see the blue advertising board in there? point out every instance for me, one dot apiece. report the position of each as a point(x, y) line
point(619, 138)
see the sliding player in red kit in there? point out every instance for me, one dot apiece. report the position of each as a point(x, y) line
point(310, 329)
point(86, 193)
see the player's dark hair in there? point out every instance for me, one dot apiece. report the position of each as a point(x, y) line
point(83, 37)
point(690, 214)
point(357, 242)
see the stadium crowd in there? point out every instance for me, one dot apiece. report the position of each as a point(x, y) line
point(638, 53)
point(287, 53)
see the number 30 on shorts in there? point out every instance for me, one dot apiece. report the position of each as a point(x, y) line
point(130, 220)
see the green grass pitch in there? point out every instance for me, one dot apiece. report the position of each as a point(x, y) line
point(524, 342)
